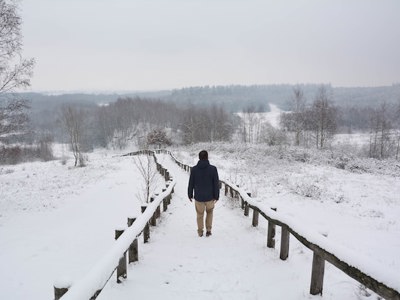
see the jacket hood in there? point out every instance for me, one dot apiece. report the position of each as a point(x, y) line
point(203, 163)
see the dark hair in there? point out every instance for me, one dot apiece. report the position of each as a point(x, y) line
point(203, 155)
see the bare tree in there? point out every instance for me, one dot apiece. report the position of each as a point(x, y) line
point(158, 137)
point(383, 140)
point(205, 124)
point(295, 121)
point(73, 122)
point(13, 119)
point(15, 72)
point(299, 106)
point(272, 136)
point(189, 125)
point(251, 124)
point(148, 172)
point(323, 116)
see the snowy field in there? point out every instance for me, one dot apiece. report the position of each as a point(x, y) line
point(356, 203)
point(57, 221)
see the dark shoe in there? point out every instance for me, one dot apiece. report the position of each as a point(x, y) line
point(208, 233)
point(200, 234)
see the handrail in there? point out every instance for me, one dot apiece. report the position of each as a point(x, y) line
point(324, 250)
point(94, 281)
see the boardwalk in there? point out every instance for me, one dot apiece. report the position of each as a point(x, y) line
point(232, 264)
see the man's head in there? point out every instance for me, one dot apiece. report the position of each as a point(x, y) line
point(203, 155)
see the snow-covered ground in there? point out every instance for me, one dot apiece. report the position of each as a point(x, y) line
point(57, 221)
point(355, 141)
point(356, 205)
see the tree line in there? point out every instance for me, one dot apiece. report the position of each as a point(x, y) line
point(143, 123)
point(319, 122)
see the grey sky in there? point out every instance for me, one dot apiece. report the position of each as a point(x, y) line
point(156, 44)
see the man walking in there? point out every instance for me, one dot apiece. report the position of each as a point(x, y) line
point(204, 182)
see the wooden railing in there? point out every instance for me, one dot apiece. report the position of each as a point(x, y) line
point(387, 285)
point(323, 250)
point(126, 249)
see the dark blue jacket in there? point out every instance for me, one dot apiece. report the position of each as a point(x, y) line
point(204, 182)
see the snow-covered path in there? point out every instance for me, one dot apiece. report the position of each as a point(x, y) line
point(40, 244)
point(232, 264)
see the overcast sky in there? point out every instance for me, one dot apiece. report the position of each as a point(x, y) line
point(97, 45)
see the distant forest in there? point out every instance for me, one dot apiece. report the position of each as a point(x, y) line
point(313, 114)
point(233, 98)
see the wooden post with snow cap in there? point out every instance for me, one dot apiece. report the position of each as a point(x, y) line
point(122, 265)
point(153, 219)
point(158, 210)
point(317, 275)
point(146, 230)
point(169, 195)
point(255, 217)
point(133, 248)
point(60, 289)
point(271, 235)
point(231, 191)
point(165, 201)
point(246, 206)
point(285, 235)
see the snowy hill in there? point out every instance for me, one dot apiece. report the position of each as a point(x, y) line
point(56, 222)
point(272, 117)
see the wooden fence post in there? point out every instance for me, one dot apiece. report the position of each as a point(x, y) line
point(246, 206)
point(271, 235)
point(255, 217)
point(133, 248)
point(285, 235)
point(122, 265)
point(226, 190)
point(317, 275)
point(146, 230)
point(158, 210)
point(165, 204)
point(153, 219)
point(60, 291)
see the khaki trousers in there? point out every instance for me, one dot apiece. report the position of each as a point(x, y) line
point(200, 208)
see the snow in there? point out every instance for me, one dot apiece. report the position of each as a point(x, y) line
point(101, 272)
point(272, 117)
point(57, 224)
